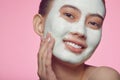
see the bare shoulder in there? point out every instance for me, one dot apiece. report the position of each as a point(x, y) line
point(104, 73)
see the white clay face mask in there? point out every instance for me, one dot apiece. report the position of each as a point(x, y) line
point(61, 29)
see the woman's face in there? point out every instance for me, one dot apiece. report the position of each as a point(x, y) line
point(76, 26)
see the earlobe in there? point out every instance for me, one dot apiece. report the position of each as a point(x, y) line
point(38, 24)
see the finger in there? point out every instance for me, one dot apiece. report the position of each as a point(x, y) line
point(43, 50)
point(45, 56)
point(51, 43)
point(41, 68)
point(43, 71)
point(50, 51)
point(43, 41)
point(49, 71)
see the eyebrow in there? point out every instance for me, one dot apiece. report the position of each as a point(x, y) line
point(70, 6)
point(97, 15)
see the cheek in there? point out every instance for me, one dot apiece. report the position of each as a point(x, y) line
point(58, 26)
point(93, 37)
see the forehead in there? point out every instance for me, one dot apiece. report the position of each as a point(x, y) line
point(85, 6)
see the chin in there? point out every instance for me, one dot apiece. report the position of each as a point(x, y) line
point(67, 56)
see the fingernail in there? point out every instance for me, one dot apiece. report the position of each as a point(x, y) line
point(49, 39)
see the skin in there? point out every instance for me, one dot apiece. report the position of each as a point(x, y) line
point(52, 68)
point(71, 24)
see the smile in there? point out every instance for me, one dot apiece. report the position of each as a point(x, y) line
point(75, 47)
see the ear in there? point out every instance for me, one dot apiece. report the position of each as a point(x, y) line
point(38, 24)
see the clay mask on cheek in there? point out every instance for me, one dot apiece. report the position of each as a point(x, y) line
point(60, 28)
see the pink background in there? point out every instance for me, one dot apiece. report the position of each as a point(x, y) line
point(19, 44)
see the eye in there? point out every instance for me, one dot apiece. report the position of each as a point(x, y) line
point(69, 15)
point(94, 25)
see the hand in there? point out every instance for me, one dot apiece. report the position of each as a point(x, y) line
point(45, 71)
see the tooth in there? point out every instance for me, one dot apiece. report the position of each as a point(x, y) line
point(76, 46)
point(80, 46)
point(69, 43)
point(73, 45)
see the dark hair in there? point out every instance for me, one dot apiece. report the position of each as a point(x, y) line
point(103, 1)
point(44, 5)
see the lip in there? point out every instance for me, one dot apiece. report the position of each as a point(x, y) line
point(82, 46)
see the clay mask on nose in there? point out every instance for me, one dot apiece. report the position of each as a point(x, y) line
point(60, 28)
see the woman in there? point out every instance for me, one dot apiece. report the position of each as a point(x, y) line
point(70, 31)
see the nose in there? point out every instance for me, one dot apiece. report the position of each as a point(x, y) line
point(79, 35)
point(79, 30)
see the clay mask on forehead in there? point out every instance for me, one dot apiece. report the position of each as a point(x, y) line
point(61, 29)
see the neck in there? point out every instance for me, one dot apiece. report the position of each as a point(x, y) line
point(68, 71)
